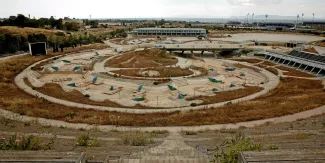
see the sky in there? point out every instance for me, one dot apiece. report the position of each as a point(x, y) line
point(160, 8)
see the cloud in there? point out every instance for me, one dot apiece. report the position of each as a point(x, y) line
point(253, 2)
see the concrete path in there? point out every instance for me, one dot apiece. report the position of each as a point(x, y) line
point(173, 149)
point(19, 80)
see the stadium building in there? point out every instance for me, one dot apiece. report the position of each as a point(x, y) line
point(169, 32)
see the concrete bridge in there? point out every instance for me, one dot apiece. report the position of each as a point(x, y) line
point(200, 47)
point(305, 61)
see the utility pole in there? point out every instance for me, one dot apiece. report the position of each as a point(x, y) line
point(297, 21)
point(253, 18)
point(313, 20)
point(302, 18)
point(266, 18)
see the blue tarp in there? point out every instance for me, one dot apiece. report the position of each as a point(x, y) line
point(232, 85)
point(172, 88)
point(139, 88)
point(66, 61)
point(211, 69)
point(72, 85)
point(214, 89)
point(95, 79)
point(76, 68)
point(215, 80)
point(55, 68)
point(139, 99)
point(181, 96)
point(97, 54)
point(230, 69)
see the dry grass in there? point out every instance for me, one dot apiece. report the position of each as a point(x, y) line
point(202, 70)
point(226, 96)
point(311, 50)
point(254, 61)
point(238, 65)
point(293, 72)
point(163, 72)
point(291, 96)
point(267, 63)
point(27, 31)
point(273, 70)
point(142, 59)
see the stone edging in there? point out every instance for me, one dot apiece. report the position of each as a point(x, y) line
point(19, 80)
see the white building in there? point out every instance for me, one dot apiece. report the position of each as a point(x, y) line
point(169, 32)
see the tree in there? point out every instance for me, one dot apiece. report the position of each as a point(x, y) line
point(20, 20)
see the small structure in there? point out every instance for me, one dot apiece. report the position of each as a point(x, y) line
point(37, 48)
point(169, 32)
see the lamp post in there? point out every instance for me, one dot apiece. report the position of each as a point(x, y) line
point(266, 16)
point(297, 21)
point(313, 20)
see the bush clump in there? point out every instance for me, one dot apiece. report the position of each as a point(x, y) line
point(87, 141)
point(136, 139)
point(30, 142)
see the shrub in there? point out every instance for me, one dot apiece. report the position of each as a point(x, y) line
point(189, 132)
point(30, 142)
point(228, 151)
point(136, 139)
point(87, 141)
point(193, 104)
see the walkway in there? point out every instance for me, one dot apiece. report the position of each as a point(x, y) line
point(173, 149)
point(19, 80)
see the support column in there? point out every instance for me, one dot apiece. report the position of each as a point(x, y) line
point(202, 53)
point(274, 59)
point(306, 67)
point(214, 54)
point(319, 71)
point(279, 60)
point(192, 53)
point(294, 64)
point(283, 62)
point(289, 63)
point(300, 65)
point(312, 69)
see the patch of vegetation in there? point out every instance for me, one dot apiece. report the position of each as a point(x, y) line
point(189, 132)
point(228, 151)
point(226, 96)
point(293, 72)
point(87, 141)
point(22, 142)
point(136, 139)
point(273, 70)
point(142, 59)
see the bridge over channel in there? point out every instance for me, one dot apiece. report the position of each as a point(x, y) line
point(200, 47)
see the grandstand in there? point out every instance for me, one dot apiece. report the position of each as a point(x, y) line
point(306, 61)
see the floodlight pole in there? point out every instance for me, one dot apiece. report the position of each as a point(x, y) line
point(313, 20)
